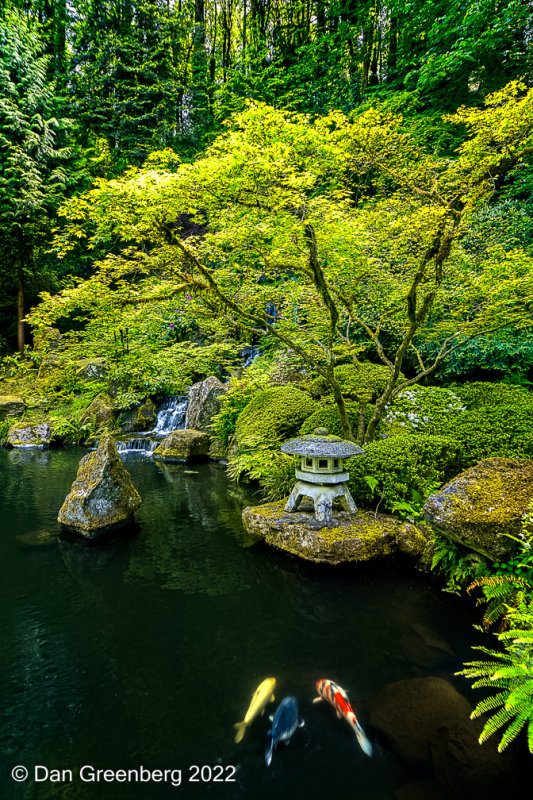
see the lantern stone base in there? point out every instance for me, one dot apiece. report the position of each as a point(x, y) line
point(361, 537)
point(322, 496)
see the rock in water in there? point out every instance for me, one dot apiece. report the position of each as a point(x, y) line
point(183, 445)
point(102, 496)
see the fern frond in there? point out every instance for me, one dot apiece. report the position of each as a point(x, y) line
point(513, 730)
point(495, 722)
point(489, 704)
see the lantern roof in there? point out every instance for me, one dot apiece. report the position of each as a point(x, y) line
point(322, 444)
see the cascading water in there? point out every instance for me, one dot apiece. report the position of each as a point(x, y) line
point(170, 417)
point(171, 414)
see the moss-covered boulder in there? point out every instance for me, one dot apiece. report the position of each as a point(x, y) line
point(36, 436)
point(92, 369)
point(11, 405)
point(204, 403)
point(183, 445)
point(102, 496)
point(142, 417)
point(360, 537)
point(273, 415)
point(483, 505)
point(100, 412)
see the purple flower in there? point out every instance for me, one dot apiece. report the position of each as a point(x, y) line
point(172, 325)
point(188, 297)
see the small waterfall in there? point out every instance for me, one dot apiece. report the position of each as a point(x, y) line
point(171, 414)
point(249, 354)
point(143, 444)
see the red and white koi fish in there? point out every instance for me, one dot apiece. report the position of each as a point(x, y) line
point(334, 694)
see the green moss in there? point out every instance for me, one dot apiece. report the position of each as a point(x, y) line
point(273, 415)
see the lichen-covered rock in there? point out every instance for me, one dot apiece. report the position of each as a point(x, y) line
point(140, 418)
point(360, 537)
point(36, 436)
point(481, 506)
point(183, 445)
point(46, 339)
point(102, 496)
point(11, 405)
point(204, 403)
point(92, 369)
point(100, 412)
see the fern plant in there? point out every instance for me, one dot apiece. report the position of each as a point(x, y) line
point(511, 672)
point(458, 564)
point(500, 593)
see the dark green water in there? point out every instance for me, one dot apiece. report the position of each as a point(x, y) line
point(145, 649)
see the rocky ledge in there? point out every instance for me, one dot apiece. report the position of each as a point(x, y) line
point(353, 537)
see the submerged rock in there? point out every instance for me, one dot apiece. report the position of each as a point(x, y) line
point(353, 537)
point(182, 445)
point(102, 496)
point(204, 403)
point(11, 405)
point(482, 505)
point(36, 436)
point(427, 722)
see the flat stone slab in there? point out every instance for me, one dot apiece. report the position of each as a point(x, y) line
point(360, 537)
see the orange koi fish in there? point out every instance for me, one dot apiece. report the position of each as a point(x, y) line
point(334, 694)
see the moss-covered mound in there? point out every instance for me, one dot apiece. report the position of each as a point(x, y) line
point(484, 506)
point(273, 415)
point(326, 417)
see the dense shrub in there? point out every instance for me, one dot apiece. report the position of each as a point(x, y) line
point(497, 421)
point(402, 468)
point(485, 419)
point(325, 417)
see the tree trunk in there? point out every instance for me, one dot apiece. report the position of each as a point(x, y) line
point(20, 298)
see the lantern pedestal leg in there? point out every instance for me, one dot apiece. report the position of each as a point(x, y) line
point(347, 501)
point(295, 499)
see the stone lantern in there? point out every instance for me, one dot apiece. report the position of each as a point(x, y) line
point(320, 474)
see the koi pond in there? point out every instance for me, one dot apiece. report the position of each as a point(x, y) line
point(142, 651)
